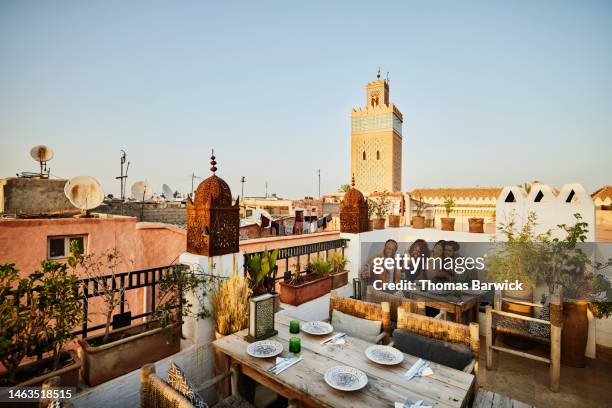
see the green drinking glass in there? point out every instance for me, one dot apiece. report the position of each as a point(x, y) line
point(294, 327)
point(295, 345)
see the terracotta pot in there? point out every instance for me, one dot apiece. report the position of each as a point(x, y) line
point(378, 223)
point(339, 279)
point(69, 374)
point(574, 334)
point(476, 225)
point(418, 222)
point(394, 221)
point(448, 224)
point(136, 346)
point(297, 294)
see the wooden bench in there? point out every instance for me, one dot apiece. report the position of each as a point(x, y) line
point(489, 399)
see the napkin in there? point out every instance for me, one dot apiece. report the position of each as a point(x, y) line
point(419, 369)
point(410, 405)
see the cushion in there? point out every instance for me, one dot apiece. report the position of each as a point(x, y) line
point(353, 326)
point(178, 381)
point(453, 355)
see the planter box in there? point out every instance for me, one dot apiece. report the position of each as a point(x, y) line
point(339, 279)
point(394, 221)
point(136, 346)
point(69, 374)
point(297, 294)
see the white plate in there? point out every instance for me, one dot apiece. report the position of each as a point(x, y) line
point(345, 378)
point(317, 328)
point(386, 355)
point(265, 349)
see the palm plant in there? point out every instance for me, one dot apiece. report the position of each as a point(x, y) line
point(261, 270)
point(448, 204)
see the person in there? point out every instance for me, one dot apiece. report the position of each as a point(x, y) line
point(434, 266)
point(418, 249)
point(389, 275)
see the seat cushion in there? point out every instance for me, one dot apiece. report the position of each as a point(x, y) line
point(178, 381)
point(453, 355)
point(353, 326)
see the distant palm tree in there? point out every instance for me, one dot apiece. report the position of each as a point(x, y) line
point(526, 187)
point(344, 188)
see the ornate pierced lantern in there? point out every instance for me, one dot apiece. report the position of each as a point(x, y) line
point(354, 211)
point(213, 222)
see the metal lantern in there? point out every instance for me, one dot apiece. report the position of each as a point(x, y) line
point(261, 317)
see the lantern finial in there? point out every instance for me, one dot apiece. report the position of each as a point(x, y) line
point(213, 163)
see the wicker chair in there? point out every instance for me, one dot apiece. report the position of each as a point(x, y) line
point(395, 301)
point(156, 393)
point(364, 310)
point(502, 322)
point(440, 329)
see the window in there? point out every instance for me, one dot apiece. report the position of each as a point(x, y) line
point(59, 247)
point(378, 155)
point(364, 156)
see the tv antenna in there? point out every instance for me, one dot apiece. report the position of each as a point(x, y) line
point(84, 192)
point(42, 154)
point(123, 177)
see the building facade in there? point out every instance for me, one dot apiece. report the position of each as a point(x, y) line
point(376, 141)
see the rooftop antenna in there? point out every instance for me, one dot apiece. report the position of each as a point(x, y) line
point(266, 189)
point(242, 181)
point(84, 192)
point(142, 191)
point(378, 73)
point(193, 177)
point(168, 194)
point(319, 174)
point(387, 76)
point(123, 177)
point(42, 154)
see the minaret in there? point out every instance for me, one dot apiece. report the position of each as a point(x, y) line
point(376, 141)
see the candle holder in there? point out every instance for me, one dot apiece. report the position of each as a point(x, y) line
point(294, 327)
point(295, 345)
point(261, 317)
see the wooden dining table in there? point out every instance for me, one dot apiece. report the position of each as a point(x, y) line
point(305, 382)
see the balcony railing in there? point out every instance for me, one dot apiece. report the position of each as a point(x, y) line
point(299, 251)
point(122, 283)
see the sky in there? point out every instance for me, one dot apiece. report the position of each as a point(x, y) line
point(493, 93)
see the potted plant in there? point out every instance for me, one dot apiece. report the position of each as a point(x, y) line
point(261, 271)
point(448, 223)
point(380, 209)
point(418, 220)
point(117, 352)
point(37, 316)
point(476, 225)
point(305, 287)
point(339, 273)
point(229, 304)
point(563, 266)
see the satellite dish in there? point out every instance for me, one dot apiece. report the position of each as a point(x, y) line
point(84, 192)
point(167, 192)
point(42, 154)
point(142, 191)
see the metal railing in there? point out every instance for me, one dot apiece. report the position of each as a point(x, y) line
point(122, 283)
point(297, 252)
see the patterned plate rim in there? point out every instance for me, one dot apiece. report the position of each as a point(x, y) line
point(331, 328)
point(276, 343)
point(340, 388)
point(391, 349)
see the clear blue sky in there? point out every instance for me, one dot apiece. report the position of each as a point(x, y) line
point(493, 93)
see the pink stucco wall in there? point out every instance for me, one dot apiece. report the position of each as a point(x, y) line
point(141, 245)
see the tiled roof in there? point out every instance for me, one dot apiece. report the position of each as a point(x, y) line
point(469, 192)
point(603, 193)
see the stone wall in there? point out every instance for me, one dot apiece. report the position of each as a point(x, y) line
point(150, 212)
point(33, 196)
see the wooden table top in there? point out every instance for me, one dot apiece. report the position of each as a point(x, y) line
point(447, 387)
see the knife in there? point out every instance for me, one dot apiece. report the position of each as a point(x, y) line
point(334, 338)
point(283, 365)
